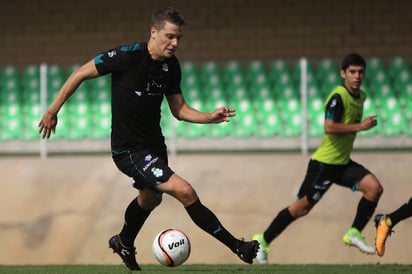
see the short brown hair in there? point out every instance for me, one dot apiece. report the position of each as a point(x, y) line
point(169, 14)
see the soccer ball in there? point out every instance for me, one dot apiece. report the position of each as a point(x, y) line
point(171, 247)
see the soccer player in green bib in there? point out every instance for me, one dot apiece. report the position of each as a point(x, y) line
point(331, 162)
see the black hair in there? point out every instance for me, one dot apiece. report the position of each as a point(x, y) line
point(353, 59)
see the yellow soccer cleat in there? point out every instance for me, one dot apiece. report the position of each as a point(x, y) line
point(383, 226)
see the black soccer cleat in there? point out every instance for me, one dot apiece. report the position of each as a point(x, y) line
point(247, 250)
point(126, 253)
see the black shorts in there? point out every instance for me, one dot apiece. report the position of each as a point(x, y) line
point(147, 167)
point(320, 176)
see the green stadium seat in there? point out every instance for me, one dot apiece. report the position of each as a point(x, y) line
point(405, 93)
point(185, 129)
point(324, 67)
point(218, 130)
point(269, 126)
point(286, 92)
point(316, 115)
point(394, 124)
point(29, 73)
point(316, 125)
point(293, 128)
point(388, 106)
point(396, 66)
point(377, 80)
point(189, 69)
point(237, 81)
point(314, 91)
point(100, 117)
point(221, 130)
point(374, 65)
point(383, 93)
point(370, 109)
point(400, 78)
point(63, 128)
point(256, 69)
point(11, 128)
point(296, 73)
point(262, 92)
point(210, 75)
point(267, 115)
point(211, 80)
point(245, 125)
point(279, 75)
point(9, 79)
point(9, 71)
point(328, 76)
point(30, 129)
point(191, 130)
point(331, 80)
point(190, 82)
point(233, 73)
point(291, 113)
point(10, 95)
point(55, 71)
point(167, 120)
point(236, 94)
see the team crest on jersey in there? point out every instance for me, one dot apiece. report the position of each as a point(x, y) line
point(157, 172)
point(316, 196)
point(165, 67)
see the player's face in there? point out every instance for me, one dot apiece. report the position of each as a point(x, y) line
point(353, 77)
point(165, 41)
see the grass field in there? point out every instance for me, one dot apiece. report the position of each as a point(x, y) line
point(209, 268)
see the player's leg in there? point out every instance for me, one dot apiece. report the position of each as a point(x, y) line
point(385, 222)
point(136, 214)
point(180, 189)
point(317, 181)
point(359, 178)
point(402, 213)
point(147, 169)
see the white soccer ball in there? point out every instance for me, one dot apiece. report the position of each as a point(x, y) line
point(171, 247)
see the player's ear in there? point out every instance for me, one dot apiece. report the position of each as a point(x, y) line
point(342, 74)
point(153, 33)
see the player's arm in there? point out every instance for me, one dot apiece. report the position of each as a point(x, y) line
point(48, 123)
point(333, 115)
point(182, 111)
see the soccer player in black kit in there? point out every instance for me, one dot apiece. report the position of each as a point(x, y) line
point(142, 74)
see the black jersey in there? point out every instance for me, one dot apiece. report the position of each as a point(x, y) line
point(139, 84)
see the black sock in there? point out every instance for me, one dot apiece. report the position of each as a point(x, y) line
point(207, 220)
point(405, 211)
point(281, 221)
point(364, 213)
point(135, 216)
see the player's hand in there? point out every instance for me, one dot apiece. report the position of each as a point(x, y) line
point(369, 122)
point(47, 125)
point(222, 114)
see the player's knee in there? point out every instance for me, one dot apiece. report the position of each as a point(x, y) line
point(186, 194)
point(378, 190)
point(373, 190)
point(300, 208)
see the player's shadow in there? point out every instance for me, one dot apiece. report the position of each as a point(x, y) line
point(36, 231)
